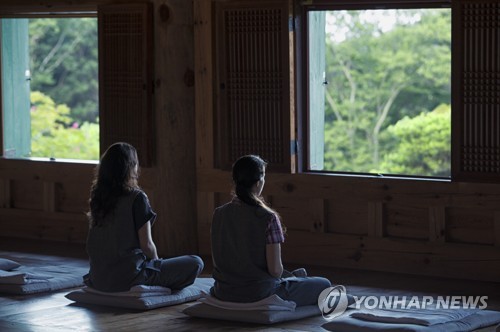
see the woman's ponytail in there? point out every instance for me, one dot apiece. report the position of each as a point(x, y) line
point(247, 171)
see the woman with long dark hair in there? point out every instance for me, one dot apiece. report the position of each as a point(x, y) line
point(246, 245)
point(119, 244)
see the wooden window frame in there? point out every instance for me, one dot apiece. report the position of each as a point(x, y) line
point(39, 11)
point(461, 168)
point(145, 143)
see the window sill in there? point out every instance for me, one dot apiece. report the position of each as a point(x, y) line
point(55, 160)
point(379, 176)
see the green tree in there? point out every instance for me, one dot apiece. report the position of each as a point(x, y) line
point(64, 63)
point(54, 135)
point(377, 77)
point(419, 145)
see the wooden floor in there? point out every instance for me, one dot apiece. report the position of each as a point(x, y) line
point(53, 312)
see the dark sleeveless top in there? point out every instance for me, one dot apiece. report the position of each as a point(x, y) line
point(238, 235)
point(116, 260)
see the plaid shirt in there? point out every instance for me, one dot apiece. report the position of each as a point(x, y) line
point(274, 232)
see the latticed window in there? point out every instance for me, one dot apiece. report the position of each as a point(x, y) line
point(253, 82)
point(423, 103)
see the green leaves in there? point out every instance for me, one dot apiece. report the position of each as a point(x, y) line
point(54, 134)
point(64, 64)
point(380, 77)
point(64, 67)
point(421, 145)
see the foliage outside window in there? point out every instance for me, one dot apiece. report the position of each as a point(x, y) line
point(61, 70)
point(379, 91)
point(55, 133)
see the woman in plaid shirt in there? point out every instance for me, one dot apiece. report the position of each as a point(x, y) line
point(246, 245)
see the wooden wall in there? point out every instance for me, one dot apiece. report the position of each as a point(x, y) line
point(422, 227)
point(48, 200)
point(409, 226)
point(412, 226)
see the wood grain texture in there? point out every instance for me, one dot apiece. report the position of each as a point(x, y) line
point(435, 227)
point(172, 181)
point(50, 198)
point(422, 227)
point(203, 83)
